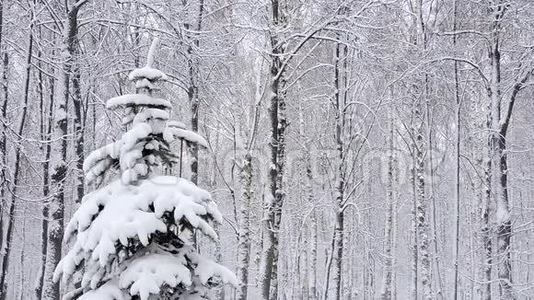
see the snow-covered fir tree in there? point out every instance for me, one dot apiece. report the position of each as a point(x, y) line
point(132, 237)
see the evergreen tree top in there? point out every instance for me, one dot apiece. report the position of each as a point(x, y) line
point(132, 237)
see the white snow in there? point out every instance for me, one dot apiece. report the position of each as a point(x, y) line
point(151, 52)
point(172, 133)
point(120, 214)
point(145, 83)
point(108, 291)
point(60, 114)
point(146, 274)
point(207, 269)
point(122, 230)
point(502, 214)
point(131, 146)
point(128, 150)
point(99, 161)
point(176, 124)
point(147, 72)
point(138, 100)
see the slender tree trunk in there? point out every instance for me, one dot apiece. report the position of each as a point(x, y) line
point(432, 201)
point(303, 271)
point(421, 210)
point(58, 177)
point(485, 229)
point(387, 285)
point(3, 141)
point(499, 160)
point(79, 122)
point(243, 248)
point(18, 166)
point(340, 59)
point(274, 201)
point(328, 265)
point(22, 258)
point(457, 198)
point(504, 225)
point(192, 90)
point(312, 280)
point(338, 254)
point(421, 204)
point(75, 76)
point(415, 232)
point(46, 131)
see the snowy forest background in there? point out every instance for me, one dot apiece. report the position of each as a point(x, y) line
point(357, 149)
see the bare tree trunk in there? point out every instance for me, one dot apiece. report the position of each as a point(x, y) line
point(243, 248)
point(3, 142)
point(303, 271)
point(340, 59)
point(22, 258)
point(504, 224)
point(421, 209)
point(485, 229)
point(499, 158)
point(16, 173)
point(338, 254)
point(192, 90)
point(312, 280)
point(415, 234)
point(421, 204)
point(79, 122)
point(274, 201)
point(46, 131)
point(432, 201)
point(457, 204)
point(56, 208)
point(387, 287)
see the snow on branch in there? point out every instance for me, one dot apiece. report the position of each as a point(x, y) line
point(148, 72)
point(119, 216)
point(151, 53)
point(146, 274)
point(172, 133)
point(130, 100)
point(133, 236)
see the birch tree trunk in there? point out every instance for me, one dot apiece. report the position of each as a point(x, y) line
point(432, 198)
point(243, 248)
point(79, 122)
point(421, 209)
point(420, 170)
point(485, 226)
point(274, 200)
point(457, 144)
point(192, 89)
point(387, 284)
point(313, 291)
point(415, 230)
point(340, 59)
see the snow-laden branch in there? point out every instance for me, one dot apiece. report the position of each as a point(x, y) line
point(151, 53)
point(508, 115)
